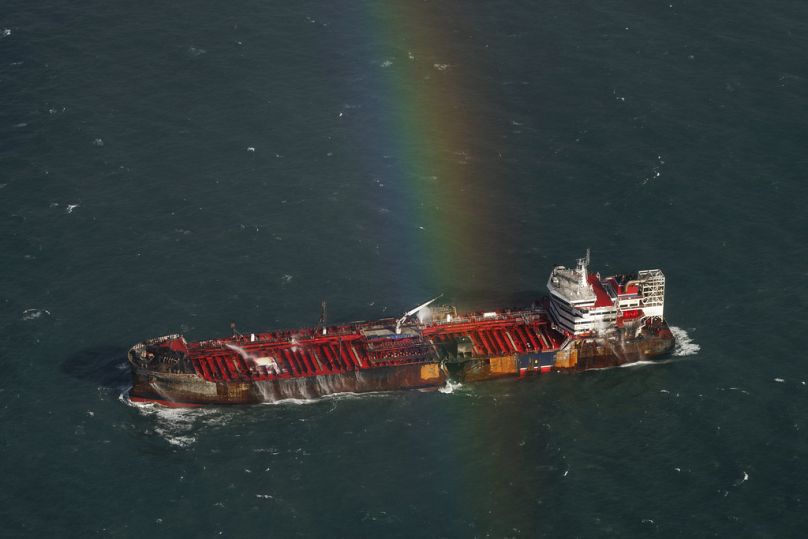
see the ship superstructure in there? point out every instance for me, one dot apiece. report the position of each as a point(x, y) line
point(582, 303)
point(586, 322)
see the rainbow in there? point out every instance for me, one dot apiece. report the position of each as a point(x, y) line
point(428, 134)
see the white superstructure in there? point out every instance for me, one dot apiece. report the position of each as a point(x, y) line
point(582, 303)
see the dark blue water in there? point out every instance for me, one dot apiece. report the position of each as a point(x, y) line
point(659, 134)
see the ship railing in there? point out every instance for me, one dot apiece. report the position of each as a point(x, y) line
point(402, 344)
point(303, 336)
point(399, 358)
point(352, 331)
point(527, 316)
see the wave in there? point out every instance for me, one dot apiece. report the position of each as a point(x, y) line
point(684, 343)
point(450, 387)
point(176, 425)
point(344, 395)
point(34, 314)
point(642, 363)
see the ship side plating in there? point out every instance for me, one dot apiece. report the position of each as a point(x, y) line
point(585, 322)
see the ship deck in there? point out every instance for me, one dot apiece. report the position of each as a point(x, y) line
point(359, 346)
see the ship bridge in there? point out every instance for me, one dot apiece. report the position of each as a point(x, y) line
point(583, 302)
point(579, 302)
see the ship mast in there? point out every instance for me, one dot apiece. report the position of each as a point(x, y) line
point(322, 321)
point(583, 264)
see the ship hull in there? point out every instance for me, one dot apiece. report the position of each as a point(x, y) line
point(188, 390)
point(587, 322)
point(588, 354)
point(180, 390)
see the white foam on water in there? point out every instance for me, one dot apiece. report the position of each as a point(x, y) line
point(176, 425)
point(344, 395)
point(450, 387)
point(684, 344)
point(351, 395)
point(290, 401)
point(732, 388)
point(71, 207)
point(642, 363)
point(780, 380)
point(34, 314)
point(386, 63)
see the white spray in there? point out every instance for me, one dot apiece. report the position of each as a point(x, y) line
point(269, 362)
point(684, 343)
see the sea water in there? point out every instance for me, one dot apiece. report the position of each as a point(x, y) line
point(173, 168)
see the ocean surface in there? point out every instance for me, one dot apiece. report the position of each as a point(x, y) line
point(170, 167)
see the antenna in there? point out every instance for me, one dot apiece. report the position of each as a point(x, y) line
point(583, 264)
point(412, 312)
point(322, 322)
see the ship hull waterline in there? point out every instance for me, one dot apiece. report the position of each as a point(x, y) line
point(188, 390)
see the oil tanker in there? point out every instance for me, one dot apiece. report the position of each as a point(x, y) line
point(584, 322)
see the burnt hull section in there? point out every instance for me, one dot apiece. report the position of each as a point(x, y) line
point(587, 354)
point(173, 389)
point(179, 389)
point(575, 356)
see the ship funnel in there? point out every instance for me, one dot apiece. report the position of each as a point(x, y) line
point(413, 311)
